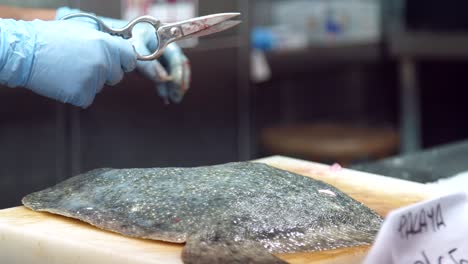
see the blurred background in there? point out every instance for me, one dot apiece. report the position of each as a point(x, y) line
point(346, 81)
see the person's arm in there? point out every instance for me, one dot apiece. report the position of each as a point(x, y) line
point(28, 14)
point(69, 61)
point(172, 81)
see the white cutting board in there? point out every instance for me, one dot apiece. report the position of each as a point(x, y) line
point(33, 237)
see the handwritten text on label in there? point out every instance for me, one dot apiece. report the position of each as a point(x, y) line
point(421, 221)
point(449, 258)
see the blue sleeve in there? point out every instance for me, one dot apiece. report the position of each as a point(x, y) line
point(17, 40)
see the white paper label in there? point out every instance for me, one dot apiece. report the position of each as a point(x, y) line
point(431, 232)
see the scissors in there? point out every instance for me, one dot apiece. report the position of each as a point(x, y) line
point(167, 33)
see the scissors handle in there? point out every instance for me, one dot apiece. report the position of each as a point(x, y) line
point(167, 33)
point(126, 32)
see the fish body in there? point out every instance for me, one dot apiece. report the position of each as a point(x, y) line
point(237, 212)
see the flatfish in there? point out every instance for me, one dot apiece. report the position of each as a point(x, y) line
point(238, 212)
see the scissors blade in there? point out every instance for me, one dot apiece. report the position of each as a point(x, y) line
point(197, 25)
point(216, 28)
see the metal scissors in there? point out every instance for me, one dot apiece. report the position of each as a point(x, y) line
point(167, 33)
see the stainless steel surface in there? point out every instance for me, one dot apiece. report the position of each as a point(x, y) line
point(167, 33)
point(245, 133)
point(410, 119)
point(411, 46)
point(125, 32)
point(423, 166)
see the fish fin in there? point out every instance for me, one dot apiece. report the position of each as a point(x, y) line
point(197, 251)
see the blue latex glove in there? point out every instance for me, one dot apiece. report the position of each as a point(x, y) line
point(172, 80)
point(69, 61)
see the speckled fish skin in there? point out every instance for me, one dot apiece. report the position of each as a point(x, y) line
point(237, 204)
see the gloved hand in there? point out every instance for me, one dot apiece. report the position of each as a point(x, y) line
point(172, 80)
point(69, 61)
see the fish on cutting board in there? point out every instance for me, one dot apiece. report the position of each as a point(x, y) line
point(238, 212)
